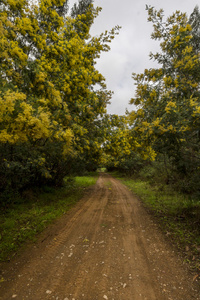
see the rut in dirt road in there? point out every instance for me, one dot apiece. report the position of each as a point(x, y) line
point(107, 247)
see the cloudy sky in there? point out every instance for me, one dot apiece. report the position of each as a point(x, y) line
point(130, 50)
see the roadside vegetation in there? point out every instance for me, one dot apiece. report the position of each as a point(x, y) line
point(30, 213)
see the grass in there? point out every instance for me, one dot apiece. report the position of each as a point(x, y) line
point(178, 214)
point(30, 214)
point(85, 181)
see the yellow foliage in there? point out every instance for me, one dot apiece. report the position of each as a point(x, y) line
point(170, 105)
point(196, 111)
point(167, 80)
point(156, 122)
point(149, 153)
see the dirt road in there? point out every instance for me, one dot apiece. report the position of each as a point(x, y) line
point(107, 247)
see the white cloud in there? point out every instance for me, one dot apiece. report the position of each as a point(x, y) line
point(130, 50)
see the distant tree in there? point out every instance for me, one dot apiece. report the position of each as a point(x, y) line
point(194, 21)
point(81, 8)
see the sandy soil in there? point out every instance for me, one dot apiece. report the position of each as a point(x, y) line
point(106, 247)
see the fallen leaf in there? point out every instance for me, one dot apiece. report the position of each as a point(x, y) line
point(195, 277)
point(85, 240)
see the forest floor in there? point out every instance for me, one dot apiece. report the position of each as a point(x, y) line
point(106, 247)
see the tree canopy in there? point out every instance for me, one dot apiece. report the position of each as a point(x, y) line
point(50, 103)
point(167, 98)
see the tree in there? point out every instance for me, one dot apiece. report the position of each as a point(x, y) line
point(50, 108)
point(168, 98)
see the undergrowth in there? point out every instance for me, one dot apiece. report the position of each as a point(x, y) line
point(31, 212)
point(178, 214)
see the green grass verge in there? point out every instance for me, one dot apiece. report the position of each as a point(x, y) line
point(178, 214)
point(30, 214)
